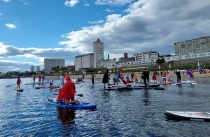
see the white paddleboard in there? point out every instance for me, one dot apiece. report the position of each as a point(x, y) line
point(188, 115)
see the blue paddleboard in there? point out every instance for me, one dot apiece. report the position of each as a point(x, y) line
point(73, 106)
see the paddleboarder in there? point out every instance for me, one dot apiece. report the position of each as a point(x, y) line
point(144, 77)
point(92, 78)
point(62, 78)
point(190, 73)
point(66, 93)
point(18, 83)
point(106, 77)
point(178, 75)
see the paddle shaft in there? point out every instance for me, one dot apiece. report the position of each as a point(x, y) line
point(80, 95)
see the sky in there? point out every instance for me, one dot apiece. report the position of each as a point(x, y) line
point(31, 30)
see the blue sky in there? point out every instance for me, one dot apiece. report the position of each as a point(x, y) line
point(31, 30)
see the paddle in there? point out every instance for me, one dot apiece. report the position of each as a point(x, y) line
point(11, 85)
point(80, 95)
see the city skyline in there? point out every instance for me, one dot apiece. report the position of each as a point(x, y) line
point(33, 30)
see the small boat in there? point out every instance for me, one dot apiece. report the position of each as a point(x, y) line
point(73, 106)
point(188, 115)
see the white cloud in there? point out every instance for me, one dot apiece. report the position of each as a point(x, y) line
point(86, 4)
point(12, 52)
point(6, 0)
point(148, 25)
point(10, 26)
point(113, 2)
point(109, 10)
point(71, 3)
point(96, 22)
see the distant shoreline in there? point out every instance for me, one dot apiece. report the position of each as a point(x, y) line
point(138, 74)
point(100, 76)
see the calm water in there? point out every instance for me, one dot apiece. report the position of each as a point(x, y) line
point(136, 113)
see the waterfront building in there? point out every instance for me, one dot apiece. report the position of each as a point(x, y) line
point(85, 61)
point(32, 68)
point(194, 46)
point(148, 56)
point(108, 63)
point(126, 58)
point(37, 68)
point(98, 50)
point(50, 63)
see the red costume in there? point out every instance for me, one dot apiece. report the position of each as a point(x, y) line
point(127, 81)
point(68, 90)
point(18, 81)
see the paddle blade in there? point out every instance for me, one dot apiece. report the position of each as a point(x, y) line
point(80, 95)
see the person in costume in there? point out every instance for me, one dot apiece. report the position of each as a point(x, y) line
point(154, 77)
point(67, 92)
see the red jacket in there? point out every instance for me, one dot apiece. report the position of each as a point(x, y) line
point(67, 92)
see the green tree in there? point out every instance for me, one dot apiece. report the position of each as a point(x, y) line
point(160, 61)
point(56, 69)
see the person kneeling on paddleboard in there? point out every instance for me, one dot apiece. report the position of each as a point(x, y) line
point(67, 92)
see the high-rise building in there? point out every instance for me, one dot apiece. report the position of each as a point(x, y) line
point(37, 68)
point(98, 50)
point(32, 68)
point(194, 46)
point(50, 63)
point(84, 61)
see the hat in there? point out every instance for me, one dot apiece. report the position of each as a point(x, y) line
point(68, 77)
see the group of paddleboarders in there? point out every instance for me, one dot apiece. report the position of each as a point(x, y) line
point(41, 78)
point(119, 76)
point(189, 72)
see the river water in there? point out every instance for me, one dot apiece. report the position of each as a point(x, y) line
point(136, 113)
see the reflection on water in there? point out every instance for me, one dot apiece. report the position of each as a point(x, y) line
point(146, 98)
point(66, 116)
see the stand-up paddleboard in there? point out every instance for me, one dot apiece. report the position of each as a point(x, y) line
point(133, 88)
point(41, 87)
point(166, 83)
point(187, 115)
point(52, 87)
point(19, 90)
point(192, 83)
point(36, 83)
point(73, 106)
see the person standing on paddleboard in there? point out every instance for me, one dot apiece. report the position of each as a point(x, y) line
point(190, 73)
point(178, 75)
point(34, 78)
point(18, 83)
point(106, 78)
point(164, 73)
point(62, 78)
point(92, 77)
point(144, 77)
